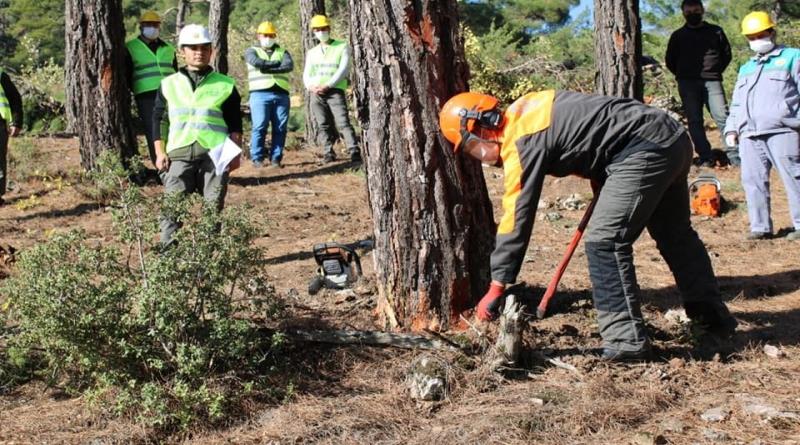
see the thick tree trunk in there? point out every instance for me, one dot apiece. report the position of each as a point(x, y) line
point(433, 221)
point(184, 8)
point(218, 16)
point(98, 97)
point(308, 9)
point(618, 48)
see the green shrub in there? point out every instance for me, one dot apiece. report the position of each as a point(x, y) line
point(157, 334)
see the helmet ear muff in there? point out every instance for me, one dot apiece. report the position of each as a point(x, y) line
point(490, 119)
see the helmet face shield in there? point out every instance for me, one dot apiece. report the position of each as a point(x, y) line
point(485, 150)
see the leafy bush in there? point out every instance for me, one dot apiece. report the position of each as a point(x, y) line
point(158, 334)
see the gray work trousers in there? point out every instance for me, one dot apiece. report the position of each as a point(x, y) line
point(145, 103)
point(646, 189)
point(193, 176)
point(697, 94)
point(3, 157)
point(330, 112)
point(759, 155)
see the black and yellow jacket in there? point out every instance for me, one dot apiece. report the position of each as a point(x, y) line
point(563, 133)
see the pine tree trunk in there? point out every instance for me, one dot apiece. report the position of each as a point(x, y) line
point(180, 18)
point(618, 48)
point(308, 9)
point(98, 97)
point(433, 221)
point(218, 16)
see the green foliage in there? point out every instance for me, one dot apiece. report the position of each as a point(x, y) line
point(501, 65)
point(153, 333)
point(42, 88)
point(41, 22)
point(524, 16)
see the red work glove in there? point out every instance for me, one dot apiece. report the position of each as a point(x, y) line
point(490, 303)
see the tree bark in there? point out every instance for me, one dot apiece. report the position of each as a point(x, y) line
point(433, 221)
point(218, 15)
point(618, 48)
point(308, 9)
point(180, 18)
point(98, 97)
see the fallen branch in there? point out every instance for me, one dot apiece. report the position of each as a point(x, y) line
point(559, 364)
point(372, 338)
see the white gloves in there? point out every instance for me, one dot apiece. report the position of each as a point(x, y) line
point(731, 139)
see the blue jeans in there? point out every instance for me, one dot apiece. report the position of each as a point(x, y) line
point(699, 93)
point(268, 107)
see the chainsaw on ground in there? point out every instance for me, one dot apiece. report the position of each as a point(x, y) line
point(706, 199)
point(339, 267)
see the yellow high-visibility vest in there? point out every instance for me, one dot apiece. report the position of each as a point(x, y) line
point(196, 116)
point(262, 81)
point(148, 67)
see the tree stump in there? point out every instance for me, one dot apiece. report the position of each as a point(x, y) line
point(506, 351)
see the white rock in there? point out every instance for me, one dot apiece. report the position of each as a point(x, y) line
point(773, 351)
point(715, 435)
point(717, 414)
point(677, 317)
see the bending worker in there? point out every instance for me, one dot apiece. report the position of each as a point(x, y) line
point(268, 66)
point(765, 120)
point(639, 155)
point(202, 110)
point(149, 60)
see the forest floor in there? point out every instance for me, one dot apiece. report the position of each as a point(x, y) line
point(356, 394)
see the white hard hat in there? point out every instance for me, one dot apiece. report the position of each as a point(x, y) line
point(193, 35)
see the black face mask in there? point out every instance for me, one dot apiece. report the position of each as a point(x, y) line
point(694, 19)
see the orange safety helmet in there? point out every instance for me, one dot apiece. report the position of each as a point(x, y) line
point(461, 112)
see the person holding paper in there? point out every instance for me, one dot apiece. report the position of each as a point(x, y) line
point(201, 109)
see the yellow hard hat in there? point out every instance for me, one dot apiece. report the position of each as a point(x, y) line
point(755, 22)
point(266, 28)
point(319, 21)
point(150, 17)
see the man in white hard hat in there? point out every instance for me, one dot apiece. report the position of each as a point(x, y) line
point(148, 60)
point(202, 110)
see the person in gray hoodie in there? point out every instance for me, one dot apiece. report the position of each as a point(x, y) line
point(764, 121)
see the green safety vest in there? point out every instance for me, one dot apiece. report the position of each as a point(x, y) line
point(5, 107)
point(262, 81)
point(324, 65)
point(149, 68)
point(196, 116)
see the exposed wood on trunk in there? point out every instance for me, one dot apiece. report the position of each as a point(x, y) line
point(218, 27)
point(308, 9)
point(618, 48)
point(98, 98)
point(433, 220)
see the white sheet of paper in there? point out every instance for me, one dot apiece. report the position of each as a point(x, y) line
point(223, 154)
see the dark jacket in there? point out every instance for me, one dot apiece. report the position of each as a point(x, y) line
point(698, 53)
point(565, 133)
point(14, 101)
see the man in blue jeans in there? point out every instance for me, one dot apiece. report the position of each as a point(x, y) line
point(697, 54)
point(268, 65)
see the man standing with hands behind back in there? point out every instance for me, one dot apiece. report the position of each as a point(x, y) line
point(697, 54)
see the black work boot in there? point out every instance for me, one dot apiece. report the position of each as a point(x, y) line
point(619, 356)
point(712, 329)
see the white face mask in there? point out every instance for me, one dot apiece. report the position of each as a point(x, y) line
point(322, 36)
point(266, 42)
point(762, 46)
point(150, 32)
